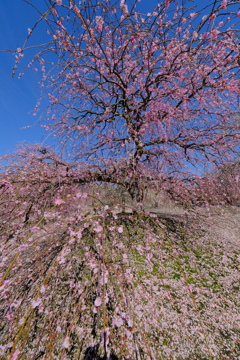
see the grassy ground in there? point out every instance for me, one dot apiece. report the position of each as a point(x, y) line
point(117, 285)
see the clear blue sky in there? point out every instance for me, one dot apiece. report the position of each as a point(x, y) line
point(17, 96)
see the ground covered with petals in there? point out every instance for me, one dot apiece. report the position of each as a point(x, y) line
point(116, 285)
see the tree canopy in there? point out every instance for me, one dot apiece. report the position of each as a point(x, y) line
point(141, 94)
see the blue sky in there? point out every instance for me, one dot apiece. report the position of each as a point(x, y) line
point(17, 96)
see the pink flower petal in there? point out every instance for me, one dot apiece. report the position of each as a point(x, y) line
point(66, 342)
point(98, 228)
point(120, 229)
point(36, 303)
point(15, 355)
point(59, 202)
point(98, 301)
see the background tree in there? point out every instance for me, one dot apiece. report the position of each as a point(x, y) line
point(139, 94)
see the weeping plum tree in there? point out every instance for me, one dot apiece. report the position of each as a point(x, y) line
point(135, 99)
point(136, 95)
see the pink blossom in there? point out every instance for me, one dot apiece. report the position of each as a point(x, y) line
point(22, 247)
point(66, 342)
point(98, 228)
point(192, 15)
point(54, 100)
point(238, 14)
point(214, 33)
point(212, 17)
point(4, 283)
point(205, 35)
point(35, 229)
point(224, 4)
point(167, 2)
point(79, 195)
point(58, 329)
point(54, 11)
point(98, 301)
point(43, 289)
point(124, 9)
point(120, 229)
point(118, 321)
point(99, 23)
point(15, 355)
point(59, 2)
point(36, 303)
point(59, 202)
point(76, 9)
point(195, 35)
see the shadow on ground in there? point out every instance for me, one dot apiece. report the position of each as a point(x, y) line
point(92, 354)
